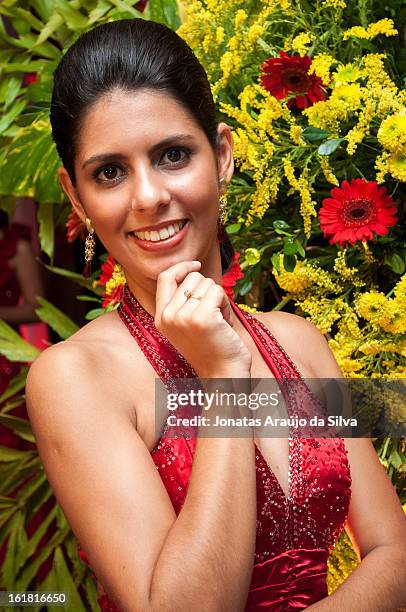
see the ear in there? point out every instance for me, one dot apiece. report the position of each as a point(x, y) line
point(225, 152)
point(70, 190)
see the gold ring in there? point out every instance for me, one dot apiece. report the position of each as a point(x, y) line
point(189, 295)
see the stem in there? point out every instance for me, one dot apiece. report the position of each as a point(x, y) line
point(282, 303)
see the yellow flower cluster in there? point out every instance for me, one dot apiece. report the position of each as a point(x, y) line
point(387, 313)
point(253, 144)
point(251, 309)
point(322, 311)
point(392, 132)
point(345, 100)
point(321, 65)
point(383, 26)
point(383, 345)
point(341, 562)
point(304, 277)
point(117, 278)
point(301, 184)
point(338, 4)
point(346, 273)
point(301, 43)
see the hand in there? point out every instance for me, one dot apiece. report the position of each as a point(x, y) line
point(201, 330)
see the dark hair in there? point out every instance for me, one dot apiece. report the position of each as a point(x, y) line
point(129, 54)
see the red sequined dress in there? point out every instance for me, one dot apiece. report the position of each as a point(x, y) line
point(294, 533)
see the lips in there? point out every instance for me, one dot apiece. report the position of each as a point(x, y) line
point(166, 243)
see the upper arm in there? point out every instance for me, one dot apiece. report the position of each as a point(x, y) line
point(101, 472)
point(28, 271)
point(375, 515)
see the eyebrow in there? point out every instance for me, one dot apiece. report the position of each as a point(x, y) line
point(106, 157)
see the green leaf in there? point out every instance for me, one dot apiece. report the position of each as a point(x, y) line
point(55, 318)
point(74, 19)
point(313, 134)
point(46, 227)
point(14, 347)
point(51, 26)
point(74, 276)
point(21, 427)
point(12, 114)
point(395, 459)
point(395, 262)
point(11, 454)
point(65, 582)
point(290, 246)
point(300, 248)
point(93, 314)
point(280, 224)
point(328, 147)
point(233, 228)
point(9, 89)
point(16, 384)
point(10, 566)
point(164, 11)
point(289, 262)
point(245, 287)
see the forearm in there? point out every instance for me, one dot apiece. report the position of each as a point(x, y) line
point(378, 584)
point(207, 559)
point(24, 313)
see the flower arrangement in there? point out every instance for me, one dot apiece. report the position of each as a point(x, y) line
point(319, 126)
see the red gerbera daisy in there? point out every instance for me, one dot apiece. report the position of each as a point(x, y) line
point(230, 278)
point(289, 74)
point(356, 210)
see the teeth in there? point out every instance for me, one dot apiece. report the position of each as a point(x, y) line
point(162, 234)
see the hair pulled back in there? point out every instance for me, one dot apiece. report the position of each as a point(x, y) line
point(130, 54)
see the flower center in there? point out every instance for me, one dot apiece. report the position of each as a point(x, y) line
point(296, 80)
point(358, 212)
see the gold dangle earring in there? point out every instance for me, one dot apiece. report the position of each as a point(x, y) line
point(222, 210)
point(90, 247)
point(223, 202)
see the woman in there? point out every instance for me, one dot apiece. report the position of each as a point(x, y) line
point(145, 162)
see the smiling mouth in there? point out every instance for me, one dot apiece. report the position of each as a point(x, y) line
point(162, 234)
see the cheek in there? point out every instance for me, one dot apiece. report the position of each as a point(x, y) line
point(108, 207)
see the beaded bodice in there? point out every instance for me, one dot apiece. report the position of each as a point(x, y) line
point(313, 514)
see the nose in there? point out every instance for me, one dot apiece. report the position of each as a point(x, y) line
point(149, 192)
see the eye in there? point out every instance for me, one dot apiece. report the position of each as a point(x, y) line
point(108, 174)
point(176, 155)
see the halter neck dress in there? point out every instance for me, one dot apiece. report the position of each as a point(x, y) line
point(294, 533)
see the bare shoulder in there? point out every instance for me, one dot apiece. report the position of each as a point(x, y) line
point(303, 342)
point(94, 360)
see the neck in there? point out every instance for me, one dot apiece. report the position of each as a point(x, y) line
point(145, 290)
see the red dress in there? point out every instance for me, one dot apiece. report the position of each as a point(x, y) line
point(294, 533)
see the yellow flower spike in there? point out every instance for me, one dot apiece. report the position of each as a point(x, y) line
point(327, 170)
point(381, 166)
point(383, 26)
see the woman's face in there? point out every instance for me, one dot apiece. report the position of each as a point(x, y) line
point(143, 162)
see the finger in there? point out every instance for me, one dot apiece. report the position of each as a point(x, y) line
point(168, 281)
point(194, 282)
point(200, 290)
point(213, 298)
